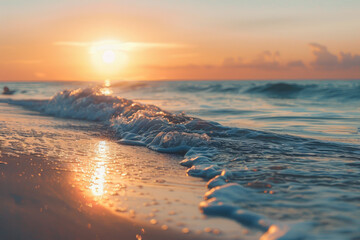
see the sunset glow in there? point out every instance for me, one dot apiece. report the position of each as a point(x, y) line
point(205, 40)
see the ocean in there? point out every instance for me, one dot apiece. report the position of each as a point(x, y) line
point(280, 158)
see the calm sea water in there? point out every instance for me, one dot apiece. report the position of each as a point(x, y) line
point(275, 153)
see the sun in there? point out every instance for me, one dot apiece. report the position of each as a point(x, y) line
point(108, 56)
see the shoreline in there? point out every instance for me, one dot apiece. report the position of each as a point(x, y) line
point(39, 202)
point(57, 183)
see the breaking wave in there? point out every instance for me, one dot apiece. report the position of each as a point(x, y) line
point(243, 167)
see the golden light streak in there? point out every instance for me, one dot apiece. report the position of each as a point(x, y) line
point(98, 179)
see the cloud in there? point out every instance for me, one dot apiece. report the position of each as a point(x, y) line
point(349, 60)
point(270, 63)
point(118, 45)
point(265, 60)
point(325, 60)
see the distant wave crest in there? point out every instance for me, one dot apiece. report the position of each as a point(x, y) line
point(284, 90)
point(326, 91)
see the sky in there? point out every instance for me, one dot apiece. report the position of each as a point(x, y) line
point(180, 40)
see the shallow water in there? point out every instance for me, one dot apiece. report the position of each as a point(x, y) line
point(284, 159)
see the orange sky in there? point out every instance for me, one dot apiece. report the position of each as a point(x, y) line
point(204, 39)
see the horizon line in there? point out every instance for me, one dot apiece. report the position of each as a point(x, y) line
point(186, 80)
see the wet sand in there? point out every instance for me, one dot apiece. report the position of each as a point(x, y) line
point(66, 179)
point(40, 202)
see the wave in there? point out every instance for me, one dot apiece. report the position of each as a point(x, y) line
point(284, 90)
point(214, 88)
point(211, 151)
point(337, 90)
point(347, 91)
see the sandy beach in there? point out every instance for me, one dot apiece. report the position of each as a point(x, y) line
point(39, 202)
point(50, 189)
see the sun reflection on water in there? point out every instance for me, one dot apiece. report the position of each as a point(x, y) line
point(106, 91)
point(98, 179)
